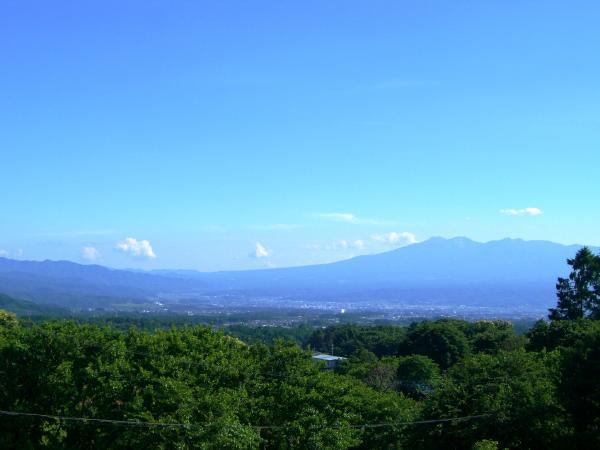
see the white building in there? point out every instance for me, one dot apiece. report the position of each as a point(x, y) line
point(330, 361)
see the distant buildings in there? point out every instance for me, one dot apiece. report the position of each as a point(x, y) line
point(330, 361)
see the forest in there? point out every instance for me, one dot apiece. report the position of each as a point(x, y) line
point(444, 383)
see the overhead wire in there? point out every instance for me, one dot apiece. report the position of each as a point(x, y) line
point(258, 427)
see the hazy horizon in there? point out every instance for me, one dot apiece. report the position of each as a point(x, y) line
point(133, 267)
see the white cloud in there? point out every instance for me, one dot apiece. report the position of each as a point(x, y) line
point(7, 254)
point(340, 217)
point(347, 217)
point(78, 233)
point(275, 227)
point(521, 212)
point(134, 247)
point(359, 244)
point(343, 244)
point(395, 238)
point(90, 253)
point(260, 251)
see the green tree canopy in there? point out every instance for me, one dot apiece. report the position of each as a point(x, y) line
point(516, 392)
point(579, 389)
point(225, 393)
point(559, 334)
point(417, 375)
point(492, 336)
point(443, 341)
point(8, 320)
point(347, 339)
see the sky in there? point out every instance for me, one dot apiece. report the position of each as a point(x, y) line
point(238, 135)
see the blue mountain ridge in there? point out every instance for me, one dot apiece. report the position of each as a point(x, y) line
point(507, 271)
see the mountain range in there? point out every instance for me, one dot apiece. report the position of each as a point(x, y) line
point(442, 271)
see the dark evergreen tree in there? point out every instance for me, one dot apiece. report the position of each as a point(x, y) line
point(578, 386)
point(579, 294)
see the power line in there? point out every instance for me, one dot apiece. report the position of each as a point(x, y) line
point(93, 419)
point(393, 424)
point(204, 365)
point(257, 427)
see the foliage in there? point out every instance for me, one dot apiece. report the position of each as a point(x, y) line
point(443, 341)
point(225, 390)
point(418, 375)
point(513, 390)
point(365, 366)
point(485, 444)
point(269, 334)
point(346, 339)
point(492, 336)
point(558, 334)
point(579, 295)
point(8, 321)
point(578, 387)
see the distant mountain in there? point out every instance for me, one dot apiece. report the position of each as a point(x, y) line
point(74, 285)
point(459, 270)
point(25, 308)
point(435, 261)
point(454, 271)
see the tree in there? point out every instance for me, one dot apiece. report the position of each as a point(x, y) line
point(579, 390)
point(443, 341)
point(417, 375)
point(558, 334)
point(365, 366)
point(515, 394)
point(229, 395)
point(486, 444)
point(8, 320)
point(347, 339)
point(492, 336)
point(579, 294)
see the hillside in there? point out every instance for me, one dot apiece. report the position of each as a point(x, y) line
point(26, 308)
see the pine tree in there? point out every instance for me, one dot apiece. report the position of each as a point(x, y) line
point(579, 294)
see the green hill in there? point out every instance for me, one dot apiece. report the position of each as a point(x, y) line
point(27, 308)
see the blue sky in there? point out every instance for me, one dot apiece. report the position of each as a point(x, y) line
point(234, 135)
